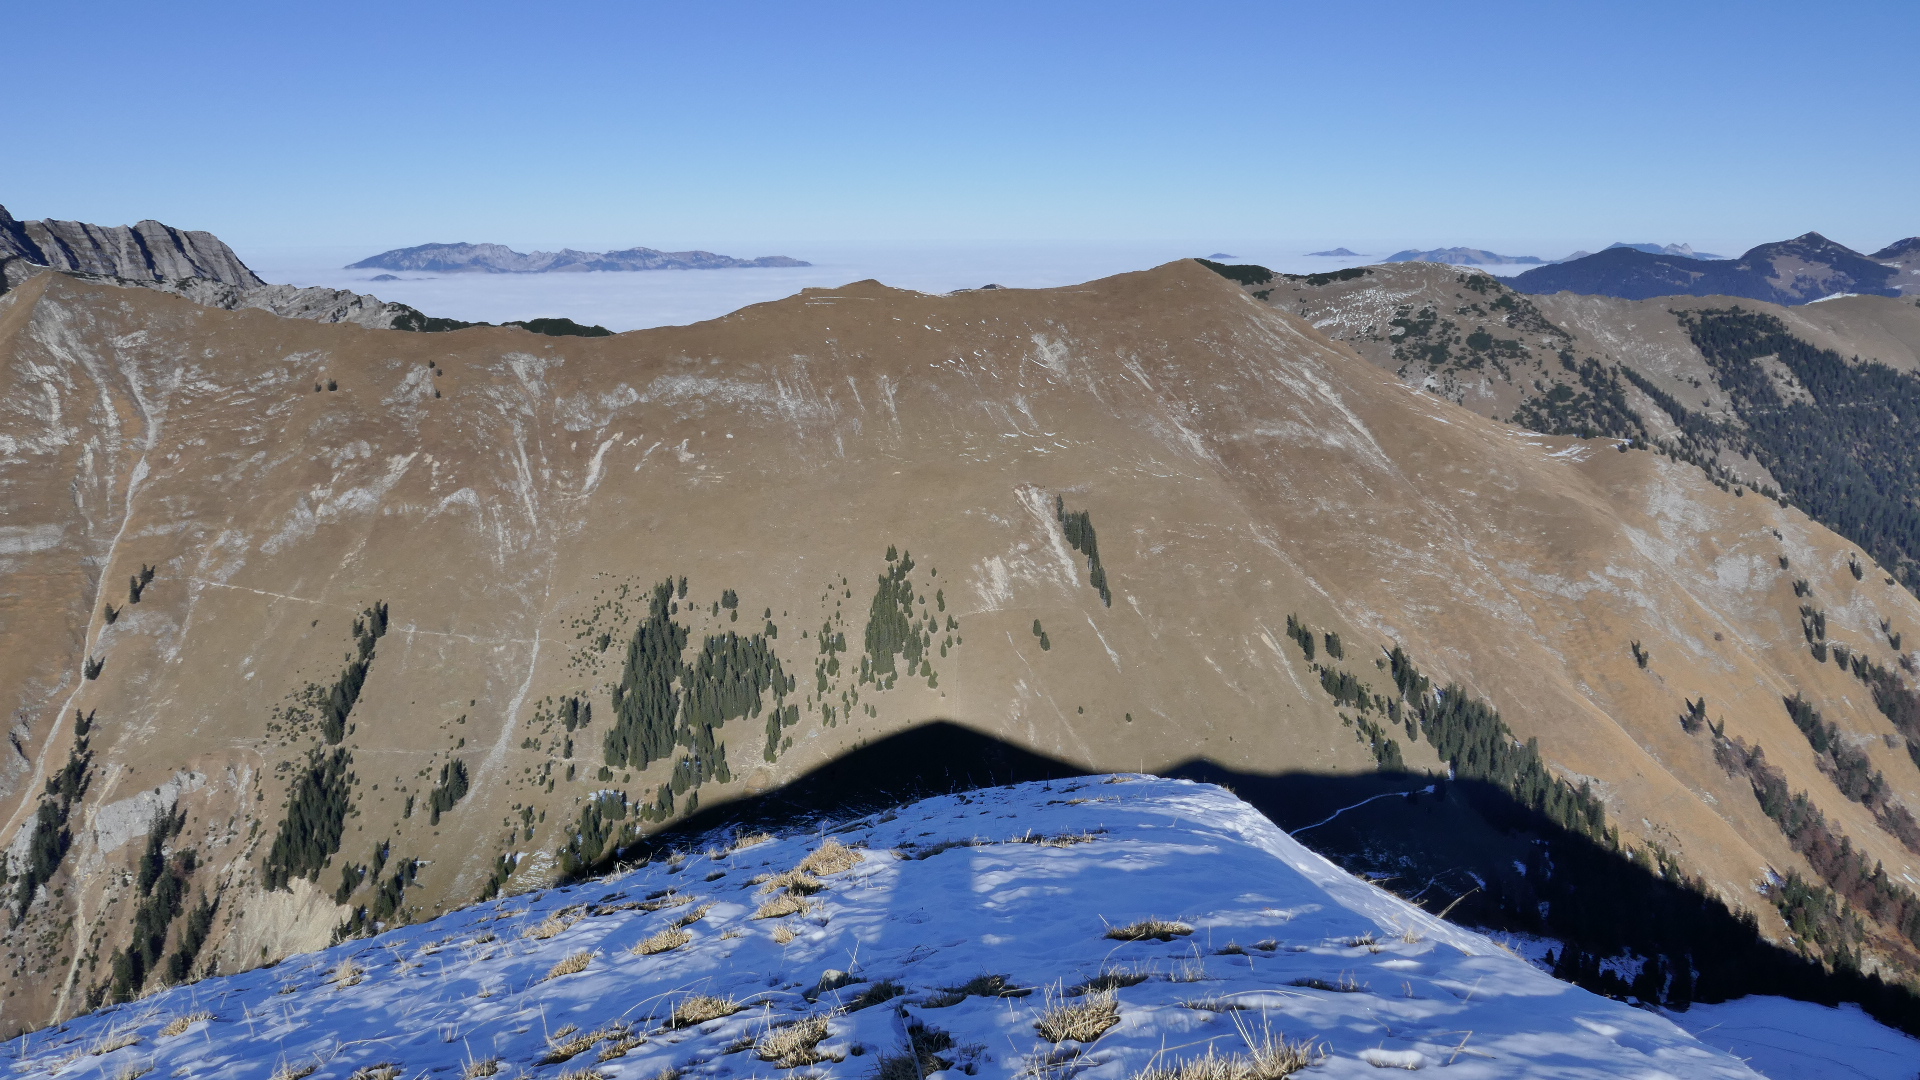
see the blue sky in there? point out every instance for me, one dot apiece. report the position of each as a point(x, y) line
point(1526, 127)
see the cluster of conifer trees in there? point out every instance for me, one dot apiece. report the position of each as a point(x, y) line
point(162, 884)
point(662, 701)
point(52, 837)
point(1848, 455)
point(1832, 854)
point(1078, 527)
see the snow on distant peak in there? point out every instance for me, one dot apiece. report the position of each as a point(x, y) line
point(1142, 923)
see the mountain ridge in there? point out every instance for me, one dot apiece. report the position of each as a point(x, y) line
point(495, 528)
point(500, 259)
point(1805, 268)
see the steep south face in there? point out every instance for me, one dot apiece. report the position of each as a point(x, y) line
point(364, 612)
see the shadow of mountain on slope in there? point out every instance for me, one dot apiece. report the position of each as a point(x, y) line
point(1469, 849)
point(1465, 848)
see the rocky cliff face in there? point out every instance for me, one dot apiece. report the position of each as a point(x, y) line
point(149, 251)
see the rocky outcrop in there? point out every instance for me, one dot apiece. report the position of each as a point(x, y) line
point(500, 259)
point(149, 251)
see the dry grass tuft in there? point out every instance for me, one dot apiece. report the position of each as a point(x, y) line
point(347, 973)
point(1190, 970)
point(555, 924)
point(582, 1074)
point(691, 917)
point(1218, 1005)
point(664, 901)
point(701, 1008)
point(792, 882)
point(1111, 978)
point(386, 1070)
point(289, 1071)
point(1149, 930)
point(978, 986)
point(1346, 985)
point(829, 858)
point(134, 1071)
point(1060, 841)
point(113, 1040)
point(931, 850)
point(566, 1043)
point(793, 1045)
point(750, 840)
point(480, 1068)
point(572, 963)
point(179, 1024)
point(922, 1057)
point(618, 1046)
point(1082, 1019)
point(783, 905)
point(666, 940)
point(1268, 1057)
point(874, 994)
point(785, 933)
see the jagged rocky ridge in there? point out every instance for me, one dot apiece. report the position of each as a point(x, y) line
point(149, 251)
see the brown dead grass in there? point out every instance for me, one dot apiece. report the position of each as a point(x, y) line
point(665, 941)
point(480, 1068)
point(792, 882)
point(661, 903)
point(691, 917)
point(1111, 978)
point(784, 905)
point(701, 1008)
point(1149, 930)
point(1268, 1057)
point(287, 1070)
point(346, 973)
point(571, 964)
point(555, 924)
point(179, 1024)
point(618, 1046)
point(386, 1070)
point(793, 1045)
point(113, 1040)
point(785, 933)
point(830, 858)
point(1082, 1019)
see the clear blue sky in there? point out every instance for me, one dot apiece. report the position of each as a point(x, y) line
point(1509, 125)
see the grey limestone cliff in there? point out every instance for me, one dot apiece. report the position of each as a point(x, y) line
point(149, 251)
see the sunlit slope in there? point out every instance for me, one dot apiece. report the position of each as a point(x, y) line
point(513, 502)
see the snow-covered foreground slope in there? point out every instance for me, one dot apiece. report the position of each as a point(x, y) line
point(1271, 942)
point(1799, 1040)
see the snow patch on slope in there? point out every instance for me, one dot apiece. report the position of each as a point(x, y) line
point(1270, 938)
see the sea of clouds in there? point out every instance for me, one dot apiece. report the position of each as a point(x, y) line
point(634, 300)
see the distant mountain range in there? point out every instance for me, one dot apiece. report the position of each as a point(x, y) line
point(1337, 253)
point(1805, 268)
point(500, 259)
point(1462, 256)
point(1684, 251)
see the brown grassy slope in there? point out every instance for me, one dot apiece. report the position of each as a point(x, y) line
point(1238, 465)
